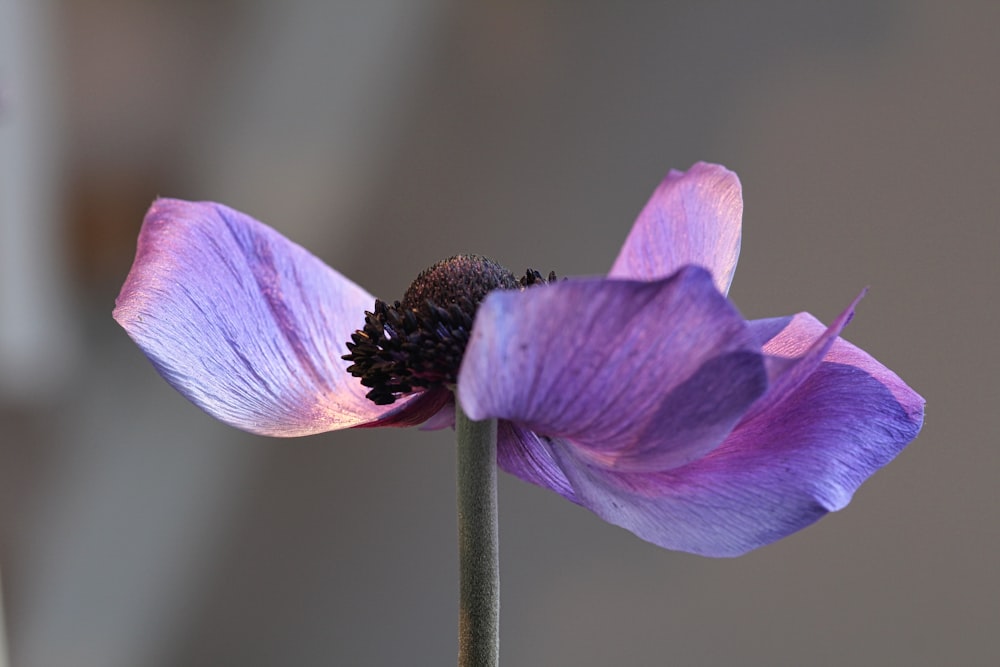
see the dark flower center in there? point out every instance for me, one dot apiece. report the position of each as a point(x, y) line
point(418, 342)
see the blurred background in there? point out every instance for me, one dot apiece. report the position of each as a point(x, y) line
point(385, 135)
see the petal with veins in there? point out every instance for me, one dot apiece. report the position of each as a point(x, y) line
point(246, 324)
point(693, 217)
point(776, 473)
point(639, 375)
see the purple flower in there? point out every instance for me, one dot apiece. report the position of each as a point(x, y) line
point(644, 396)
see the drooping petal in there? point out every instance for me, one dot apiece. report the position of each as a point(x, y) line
point(775, 474)
point(693, 217)
point(639, 375)
point(246, 324)
point(526, 455)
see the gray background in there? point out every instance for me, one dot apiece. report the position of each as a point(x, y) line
point(135, 530)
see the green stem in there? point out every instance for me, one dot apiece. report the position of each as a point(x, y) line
point(478, 555)
point(4, 658)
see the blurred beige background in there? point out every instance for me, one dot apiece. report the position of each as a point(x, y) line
point(137, 531)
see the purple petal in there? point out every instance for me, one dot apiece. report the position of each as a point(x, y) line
point(774, 475)
point(526, 455)
point(794, 350)
point(803, 332)
point(693, 217)
point(639, 375)
point(431, 410)
point(246, 324)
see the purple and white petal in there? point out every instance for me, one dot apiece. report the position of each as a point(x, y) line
point(775, 474)
point(693, 217)
point(639, 375)
point(246, 324)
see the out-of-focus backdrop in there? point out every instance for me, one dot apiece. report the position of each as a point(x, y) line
point(385, 135)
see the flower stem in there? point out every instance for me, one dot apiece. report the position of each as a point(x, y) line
point(4, 659)
point(478, 555)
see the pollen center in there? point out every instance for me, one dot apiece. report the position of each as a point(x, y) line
point(418, 343)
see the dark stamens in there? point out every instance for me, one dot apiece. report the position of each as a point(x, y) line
point(418, 342)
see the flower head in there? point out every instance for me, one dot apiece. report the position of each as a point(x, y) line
point(644, 396)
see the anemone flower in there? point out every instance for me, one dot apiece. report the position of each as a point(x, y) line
point(643, 396)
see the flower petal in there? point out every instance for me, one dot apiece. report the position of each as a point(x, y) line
point(246, 324)
point(640, 375)
point(693, 217)
point(794, 348)
point(431, 410)
point(526, 455)
point(804, 332)
point(774, 475)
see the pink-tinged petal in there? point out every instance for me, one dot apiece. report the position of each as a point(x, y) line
point(443, 418)
point(639, 375)
point(799, 339)
point(774, 475)
point(693, 217)
point(431, 410)
point(794, 348)
point(246, 324)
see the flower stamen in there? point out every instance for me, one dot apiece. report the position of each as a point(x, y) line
point(418, 343)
